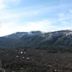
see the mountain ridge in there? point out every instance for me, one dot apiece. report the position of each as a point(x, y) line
point(37, 39)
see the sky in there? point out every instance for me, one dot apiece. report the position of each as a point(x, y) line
point(35, 15)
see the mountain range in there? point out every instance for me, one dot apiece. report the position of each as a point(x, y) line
point(37, 39)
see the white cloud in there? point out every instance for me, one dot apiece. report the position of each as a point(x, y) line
point(9, 15)
point(34, 26)
point(8, 28)
point(43, 25)
point(4, 3)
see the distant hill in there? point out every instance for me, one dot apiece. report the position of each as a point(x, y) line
point(37, 39)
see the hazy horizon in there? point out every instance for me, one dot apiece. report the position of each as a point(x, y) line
point(35, 15)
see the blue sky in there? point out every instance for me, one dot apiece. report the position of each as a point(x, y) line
point(33, 15)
